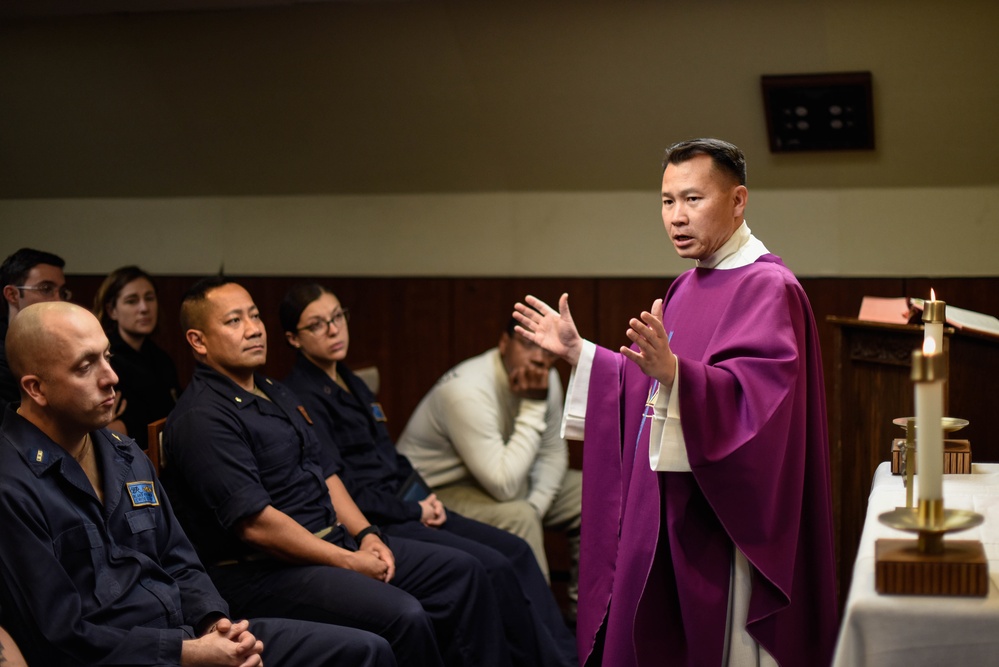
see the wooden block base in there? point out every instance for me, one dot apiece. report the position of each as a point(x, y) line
point(957, 457)
point(961, 569)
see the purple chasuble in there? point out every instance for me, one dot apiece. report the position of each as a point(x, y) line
point(657, 548)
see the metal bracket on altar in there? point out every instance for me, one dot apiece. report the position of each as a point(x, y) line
point(957, 453)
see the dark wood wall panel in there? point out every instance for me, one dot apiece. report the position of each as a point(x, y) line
point(402, 327)
point(482, 307)
point(978, 294)
point(620, 299)
point(414, 329)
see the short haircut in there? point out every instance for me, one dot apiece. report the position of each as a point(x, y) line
point(512, 322)
point(295, 301)
point(195, 302)
point(107, 293)
point(725, 156)
point(15, 269)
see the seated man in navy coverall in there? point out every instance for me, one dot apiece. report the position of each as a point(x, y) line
point(257, 494)
point(94, 568)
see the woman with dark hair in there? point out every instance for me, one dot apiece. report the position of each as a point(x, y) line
point(350, 422)
point(127, 308)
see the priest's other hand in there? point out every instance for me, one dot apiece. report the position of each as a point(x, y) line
point(654, 356)
point(550, 329)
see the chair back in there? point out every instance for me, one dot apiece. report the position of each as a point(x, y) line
point(154, 450)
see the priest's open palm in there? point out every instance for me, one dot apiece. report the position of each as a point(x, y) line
point(550, 329)
point(654, 355)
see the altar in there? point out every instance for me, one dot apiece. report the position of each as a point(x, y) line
point(872, 368)
point(923, 631)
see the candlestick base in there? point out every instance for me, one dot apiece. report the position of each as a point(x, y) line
point(948, 424)
point(957, 457)
point(943, 520)
point(928, 565)
point(902, 568)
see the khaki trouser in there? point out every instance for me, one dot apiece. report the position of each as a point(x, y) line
point(520, 518)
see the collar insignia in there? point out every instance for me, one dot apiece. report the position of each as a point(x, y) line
point(378, 413)
point(305, 414)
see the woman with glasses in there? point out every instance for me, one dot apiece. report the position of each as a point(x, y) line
point(350, 422)
point(127, 308)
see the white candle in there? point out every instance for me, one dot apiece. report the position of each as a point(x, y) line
point(929, 422)
point(934, 331)
point(933, 321)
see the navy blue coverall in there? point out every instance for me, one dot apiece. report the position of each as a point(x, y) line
point(118, 583)
point(230, 454)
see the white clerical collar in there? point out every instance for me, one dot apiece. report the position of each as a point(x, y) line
point(741, 249)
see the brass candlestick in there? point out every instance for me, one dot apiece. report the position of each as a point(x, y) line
point(930, 521)
point(957, 453)
point(926, 565)
point(934, 311)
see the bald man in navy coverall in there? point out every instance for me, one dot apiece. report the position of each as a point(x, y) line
point(94, 568)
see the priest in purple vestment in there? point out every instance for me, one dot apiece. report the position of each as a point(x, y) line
point(707, 525)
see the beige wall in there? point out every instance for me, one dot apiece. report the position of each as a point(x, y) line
point(841, 232)
point(476, 138)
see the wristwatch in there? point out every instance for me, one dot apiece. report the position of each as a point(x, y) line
point(370, 530)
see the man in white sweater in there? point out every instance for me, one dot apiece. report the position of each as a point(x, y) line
point(486, 439)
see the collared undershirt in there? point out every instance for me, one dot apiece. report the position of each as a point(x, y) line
point(257, 391)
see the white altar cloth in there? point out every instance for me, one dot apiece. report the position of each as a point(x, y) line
point(915, 630)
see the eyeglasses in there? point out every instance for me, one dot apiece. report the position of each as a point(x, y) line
point(320, 327)
point(48, 290)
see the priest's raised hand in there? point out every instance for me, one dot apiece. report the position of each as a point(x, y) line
point(551, 329)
